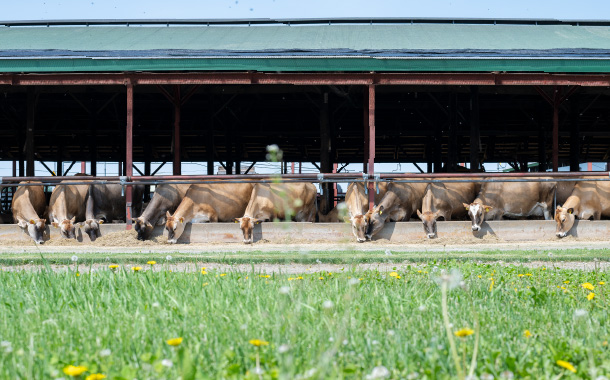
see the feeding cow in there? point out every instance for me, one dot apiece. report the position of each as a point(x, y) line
point(445, 200)
point(357, 201)
point(588, 201)
point(208, 203)
point(166, 199)
point(28, 206)
point(399, 203)
point(284, 201)
point(106, 203)
point(511, 200)
point(67, 206)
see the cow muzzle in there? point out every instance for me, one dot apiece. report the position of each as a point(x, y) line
point(172, 241)
point(476, 227)
point(361, 240)
point(248, 241)
point(431, 236)
point(562, 234)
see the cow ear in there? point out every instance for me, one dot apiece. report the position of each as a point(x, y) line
point(101, 221)
point(22, 224)
point(149, 225)
point(466, 206)
point(73, 219)
point(487, 208)
point(419, 214)
point(167, 214)
point(55, 224)
point(380, 209)
point(558, 207)
point(236, 220)
point(181, 220)
point(570, 211)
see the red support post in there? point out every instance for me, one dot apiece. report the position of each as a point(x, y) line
point(129, 154)
point(365, 121)
point(83, 167)
point(371, 143)
point(177, 108)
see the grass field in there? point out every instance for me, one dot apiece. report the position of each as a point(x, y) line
point(356, 325)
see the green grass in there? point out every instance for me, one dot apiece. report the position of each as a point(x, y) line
point(346, 256)
point(326, 328)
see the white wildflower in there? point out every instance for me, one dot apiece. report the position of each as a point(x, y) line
point(391, 332)
point(345, 342)
point(168, 258)
point(486, 376)
point(328, 304)
point(284, 290)
point(353, 281)
point(283, 348)
point(167, 363)
point(508, 375)
point(579, 313)
point(421, 308)
point(379, 372)
point(156, 304)
point(550, 254)
point(413, 376)
point(257, 371)
point(388, 252)
point(74, 258)
point(105, 352)
point(331, 339)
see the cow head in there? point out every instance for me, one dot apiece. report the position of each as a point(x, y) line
point(359, 226)
point(565, 220)
point(142, 227)
point(92, 228)
point(247, 227)
point(429, 220)
point(476, 212)
point(174, 227)
point(376, 219)
point(36, 229)
point(66, 228)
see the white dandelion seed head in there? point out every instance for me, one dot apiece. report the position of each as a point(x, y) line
point(391, 332)
point(579, 313)
point(167, 363)
point(284, 290)
point(74, 258)
point(379, 372)
point(345, 342)
point(168, 258)
point(328, 304)
point(257, 371)
point(421, 308)
point(550, 254)
point(331, 339)
point(486, 376)
point(508, 375)
point(375, 342)
point(105, 352)
point(156, 304)
point(413, 376)
point(283, 348)
point(388, 252)
point(243, 327)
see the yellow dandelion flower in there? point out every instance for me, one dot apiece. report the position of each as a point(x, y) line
point(330, 274)
point(205, 284)
point(75, 370)
point(258, 342)
point(479, 276)
point(601, 283)
point(223, 274)
point(203, 272)
point(527, 333)
point(290, 278)
point(543, 268)
point(174, 341)
point(203, 268)
point(464, 332)
point(136, 269)
point(96, 376)
point(151, 262)
point(528, 274)
point(77, 274)
point(491, 286)
point(566, 365)
point(299, 278)
point(588, 286)
point(566, 282)
point(393, 274)
point(591, 296)
point(398, 277)
point(265, 275)
point(113, 266)
point(321, 278)
point(605, 343)
point(520, 275)
point(563, 288)
point(419, 271)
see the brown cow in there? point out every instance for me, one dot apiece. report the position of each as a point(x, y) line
point(512, 200)
point(167, 198)
point(213, 203)
point(445, 200)
point(107, 202)
point(68, 204)
point(398, 204)
point(357, 201)
point(588, 201)
point(269, 201)
point(29, 205)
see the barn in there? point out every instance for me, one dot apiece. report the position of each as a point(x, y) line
point(441, 92)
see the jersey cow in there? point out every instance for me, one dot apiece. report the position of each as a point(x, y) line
point(28, 206)
point(444, 200)
point(208, 203)
point(512, 200)
point(357, 201)
point(68, 205)
point(106, 203)
point(398, 204)
point(284, 201)
point(589, 200)
point(166, 199)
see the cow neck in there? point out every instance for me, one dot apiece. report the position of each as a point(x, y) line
point(389, 201)
point(186, 210)
point(62, 210)
point(574, 202)
point(26, 209)
point(427, 201)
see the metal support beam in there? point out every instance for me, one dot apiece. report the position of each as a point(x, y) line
point(69, 168)
point(325, 148)
point(209, 144)
point(159, 168)
point(556, 104)
point(177, 168)
point(371, 143)
point(452, 157)
point(475, 132)
point(29, 131)
point(129, 155)
point(574, 135)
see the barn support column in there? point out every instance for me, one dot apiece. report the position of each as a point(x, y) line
point(147, 167)
point(209, 146)
point(29, 131)
point(129, 155)
point(438, 149)
point(371, 143)
point(93, 141)
point(475, 132)
point(326, 165)
point(452, 159)
point(556, 130)
point(574, 135)
point(177, 168)
point(365, 121)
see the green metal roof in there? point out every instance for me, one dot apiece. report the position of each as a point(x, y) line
point(377, 47)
